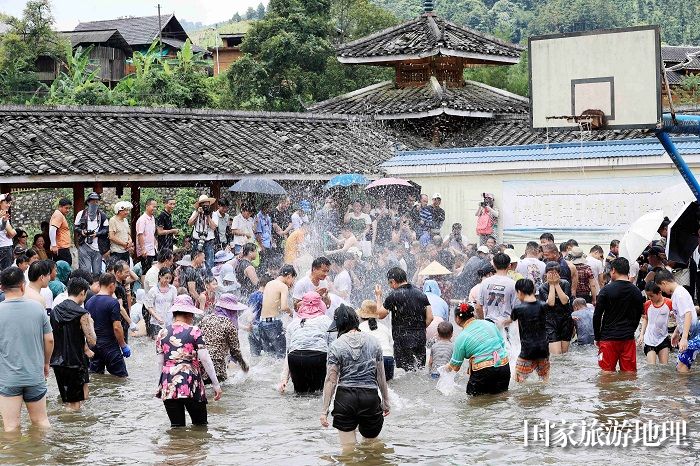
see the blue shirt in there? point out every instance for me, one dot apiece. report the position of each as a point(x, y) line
point(104, 311)
point(255, 301)
point(263, 227)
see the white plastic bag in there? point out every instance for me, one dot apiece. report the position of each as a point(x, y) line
point(512, 338)
point(446, 383)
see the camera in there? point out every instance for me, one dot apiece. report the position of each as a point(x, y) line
point(206, 209)
point(482, 204)
point(89, 236)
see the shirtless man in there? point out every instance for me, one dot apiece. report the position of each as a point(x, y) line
point(315, 281)
point(346, 241)
point(276, 301)
point(39, 276)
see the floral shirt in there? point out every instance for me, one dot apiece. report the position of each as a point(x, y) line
point(181, 374)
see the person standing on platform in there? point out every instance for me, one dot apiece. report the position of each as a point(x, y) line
point(91, 235)
point(146, 236)
point(164, 225)
point(120, 232)
point(59, 231)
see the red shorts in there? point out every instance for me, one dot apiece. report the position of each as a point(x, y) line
point(612, 351)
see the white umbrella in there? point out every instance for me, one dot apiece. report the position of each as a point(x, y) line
point(640, 234)
point(675, 198)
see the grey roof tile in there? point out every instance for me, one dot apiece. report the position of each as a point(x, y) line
point(131, 141)
point(428, 35)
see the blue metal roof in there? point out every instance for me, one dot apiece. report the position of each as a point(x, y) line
point(538, 152)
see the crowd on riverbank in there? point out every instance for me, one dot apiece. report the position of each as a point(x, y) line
point(345, 300)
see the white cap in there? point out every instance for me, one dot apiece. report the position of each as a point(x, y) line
point(3, 197)
point(437, 196)
point(483, 249)
point(122, 205)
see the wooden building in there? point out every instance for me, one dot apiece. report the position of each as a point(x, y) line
point(140, 32)
point(230, 50)
point(109, 52)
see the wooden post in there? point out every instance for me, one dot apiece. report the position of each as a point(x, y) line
point(78, 197)
point(119, 190)
point(216, 189)
point(98, 188)
point(135, 212)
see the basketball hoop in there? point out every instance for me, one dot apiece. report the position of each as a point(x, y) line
point(589, 120)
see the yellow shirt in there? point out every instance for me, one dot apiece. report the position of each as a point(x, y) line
point(515, 276)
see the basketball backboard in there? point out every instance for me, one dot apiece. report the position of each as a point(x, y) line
point(615, 73)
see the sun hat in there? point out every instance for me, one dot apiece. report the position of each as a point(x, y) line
point(311, 306)
point(230, 301)
point(19, 250)
point(483, 249)
point(184, 303)
point(223, 256)
point(511, 253)
point(186, 261)
point(435, 268)
point(122, 205)
point(577, 255)
point(93, 196)
point(368, 310)
point(204, 198)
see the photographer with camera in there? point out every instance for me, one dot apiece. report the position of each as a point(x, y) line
point(203, 229)
point(487, 216)
point(6, 232)
point(91, 232)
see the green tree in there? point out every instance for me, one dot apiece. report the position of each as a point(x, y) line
point(237, 18)
point(260, 11)
point(28, 38)
point(250, 13)
point(291, 47)
point(560, 16)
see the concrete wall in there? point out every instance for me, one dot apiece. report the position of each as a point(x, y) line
point(461, 193)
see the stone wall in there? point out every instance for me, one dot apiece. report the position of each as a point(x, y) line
point(30, 208)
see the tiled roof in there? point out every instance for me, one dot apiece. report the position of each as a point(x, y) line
point(95, 143)
point(385, 101)
point(543, 152)
point(676, 54)
point(177, 44)
point(110, 37)
point(507, 131)
point(141, 30)
point(426, 36)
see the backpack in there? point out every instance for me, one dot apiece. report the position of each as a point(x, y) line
point(484, 224)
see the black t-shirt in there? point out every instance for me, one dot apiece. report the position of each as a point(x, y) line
point(120, 293)
point(407, 307)
point(533, 334)
point(165, 221)
point(558, 306)
point(618, 309)
point(282, 219)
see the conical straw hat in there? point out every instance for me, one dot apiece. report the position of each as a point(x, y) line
point(435, 268)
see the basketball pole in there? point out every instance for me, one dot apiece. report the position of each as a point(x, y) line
point(680, 124)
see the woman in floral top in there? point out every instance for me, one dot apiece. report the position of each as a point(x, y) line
point(181, 355)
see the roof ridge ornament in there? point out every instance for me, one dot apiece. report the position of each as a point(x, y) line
point(428, 7)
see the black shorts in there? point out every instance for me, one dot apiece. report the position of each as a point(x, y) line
point(409, 350)
point(657, 349)
point(559, 325)
point(70, 382)
point(355, 407)
point(489, 381)
point(308, 370)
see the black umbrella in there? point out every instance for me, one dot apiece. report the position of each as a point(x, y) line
point(683, 235)
point(258, 186)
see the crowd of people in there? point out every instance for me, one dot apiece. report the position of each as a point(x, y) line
point(343, 295)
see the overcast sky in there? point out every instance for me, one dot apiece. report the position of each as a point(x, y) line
point(69, 13)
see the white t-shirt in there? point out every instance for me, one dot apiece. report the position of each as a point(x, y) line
point(313, 336)
point(596, 266)
point(48, 297)
point(245, 225)
point(383, 336)
point(151, 278)
point(657, 322)
point(682, 304)
point(92, 225)
point(299, 220)
point(343, 283)
point(498, 298)
point(4, 240)
point(532, 268)
point(161, 303)
point(304, 285)
point(222, 221)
